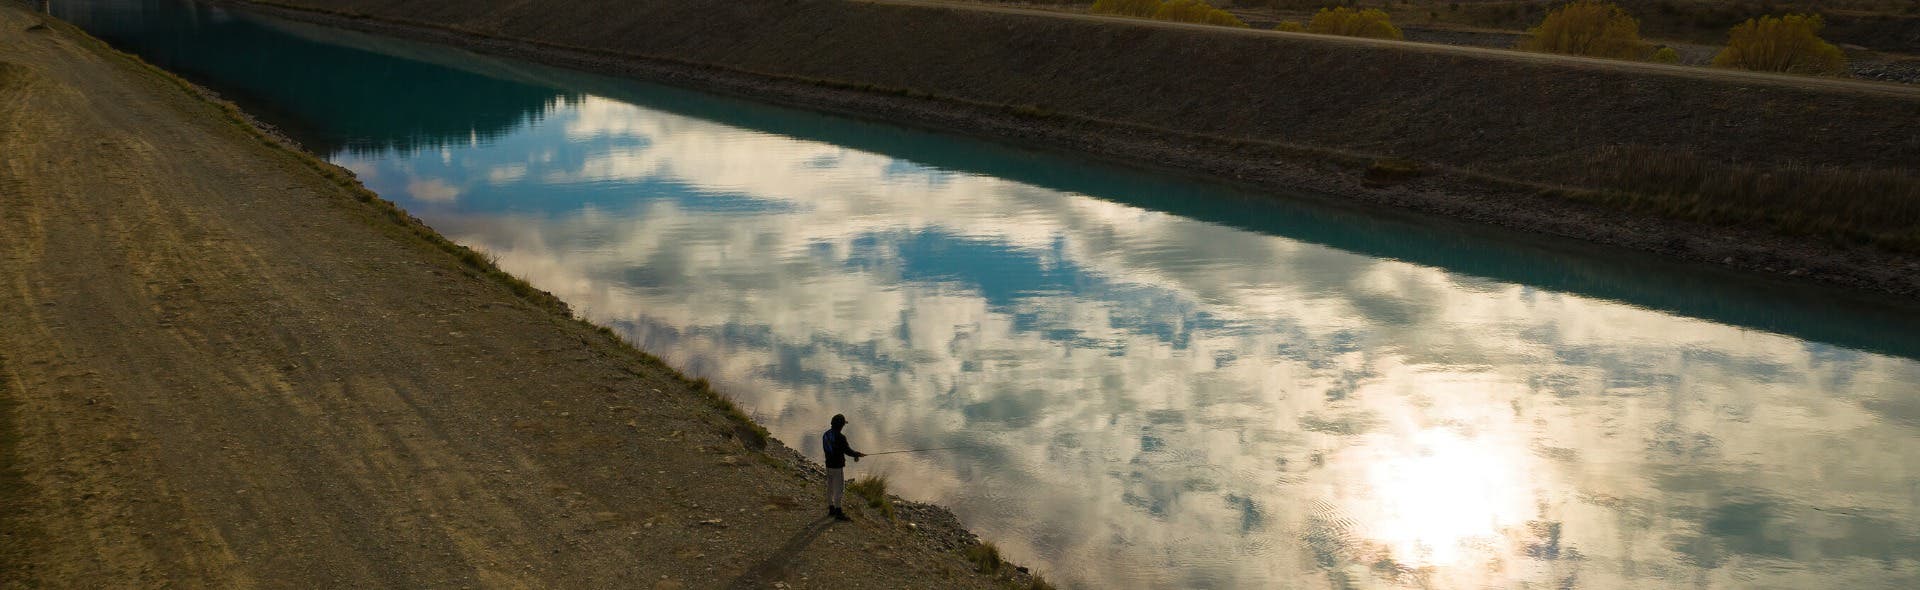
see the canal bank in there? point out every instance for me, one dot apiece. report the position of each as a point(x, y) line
point(1796, 177)
point(225, 364)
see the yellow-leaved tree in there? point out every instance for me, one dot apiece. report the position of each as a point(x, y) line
point(1588, 27)
point(1372, 22)
point(1196, 11)
point(1788, 43)
point(1140, 8)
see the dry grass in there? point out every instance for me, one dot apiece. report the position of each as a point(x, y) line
point(874, 489)
point(737, 422)
point(1393, 169)
point(1848, 204)
point(986, 558)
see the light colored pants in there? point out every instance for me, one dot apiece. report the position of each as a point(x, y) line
point(836, 486)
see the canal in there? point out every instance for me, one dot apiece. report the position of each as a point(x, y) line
point(1151, 381)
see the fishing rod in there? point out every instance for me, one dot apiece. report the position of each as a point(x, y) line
point(919, 450)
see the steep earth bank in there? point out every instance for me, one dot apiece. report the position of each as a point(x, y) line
point(1797, 176)
point(223, 363)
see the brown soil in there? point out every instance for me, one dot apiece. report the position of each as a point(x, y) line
point(1550, 144)
point(224, 364)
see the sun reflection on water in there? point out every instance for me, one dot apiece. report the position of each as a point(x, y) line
point(1438, 498)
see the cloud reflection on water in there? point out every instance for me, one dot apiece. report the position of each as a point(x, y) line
point(1159, 401)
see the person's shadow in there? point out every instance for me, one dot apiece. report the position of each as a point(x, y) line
point(764, 574)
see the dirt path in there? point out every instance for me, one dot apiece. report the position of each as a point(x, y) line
point(222, 369)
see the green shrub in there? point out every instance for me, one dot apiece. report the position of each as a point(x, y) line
point(1139, 8)
point(1196, 11)
point(1788, 43)
point(1665, 55)
point(1588, 27)
point(1371, 23)
point(1289, 26)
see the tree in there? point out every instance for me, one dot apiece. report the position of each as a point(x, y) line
point(1196, 11)
point(1139, 8)
point(1788, 43)
point(1372, 22)
point(1588, 27)
point(1665, 55)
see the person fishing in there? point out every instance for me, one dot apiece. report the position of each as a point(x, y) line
point(835, 445)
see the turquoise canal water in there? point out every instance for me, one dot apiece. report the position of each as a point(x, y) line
point(1157, 382)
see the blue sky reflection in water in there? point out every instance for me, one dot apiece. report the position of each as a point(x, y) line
point(1244, 394)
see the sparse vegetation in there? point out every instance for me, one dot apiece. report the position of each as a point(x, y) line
point(1880, 25)
point(874, 489)
point(1371, 23)
point(1590, 28)
point(1846, 204)
point(1788, 43)
point(1393, 169)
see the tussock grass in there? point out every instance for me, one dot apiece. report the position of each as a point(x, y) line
point(750, 433)
point(986, 558)
point(874, 489)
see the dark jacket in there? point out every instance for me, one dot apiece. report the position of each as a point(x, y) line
point(835, 444)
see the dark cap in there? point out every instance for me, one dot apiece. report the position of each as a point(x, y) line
point(839, 419)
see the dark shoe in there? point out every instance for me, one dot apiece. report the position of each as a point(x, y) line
point(842, 516)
